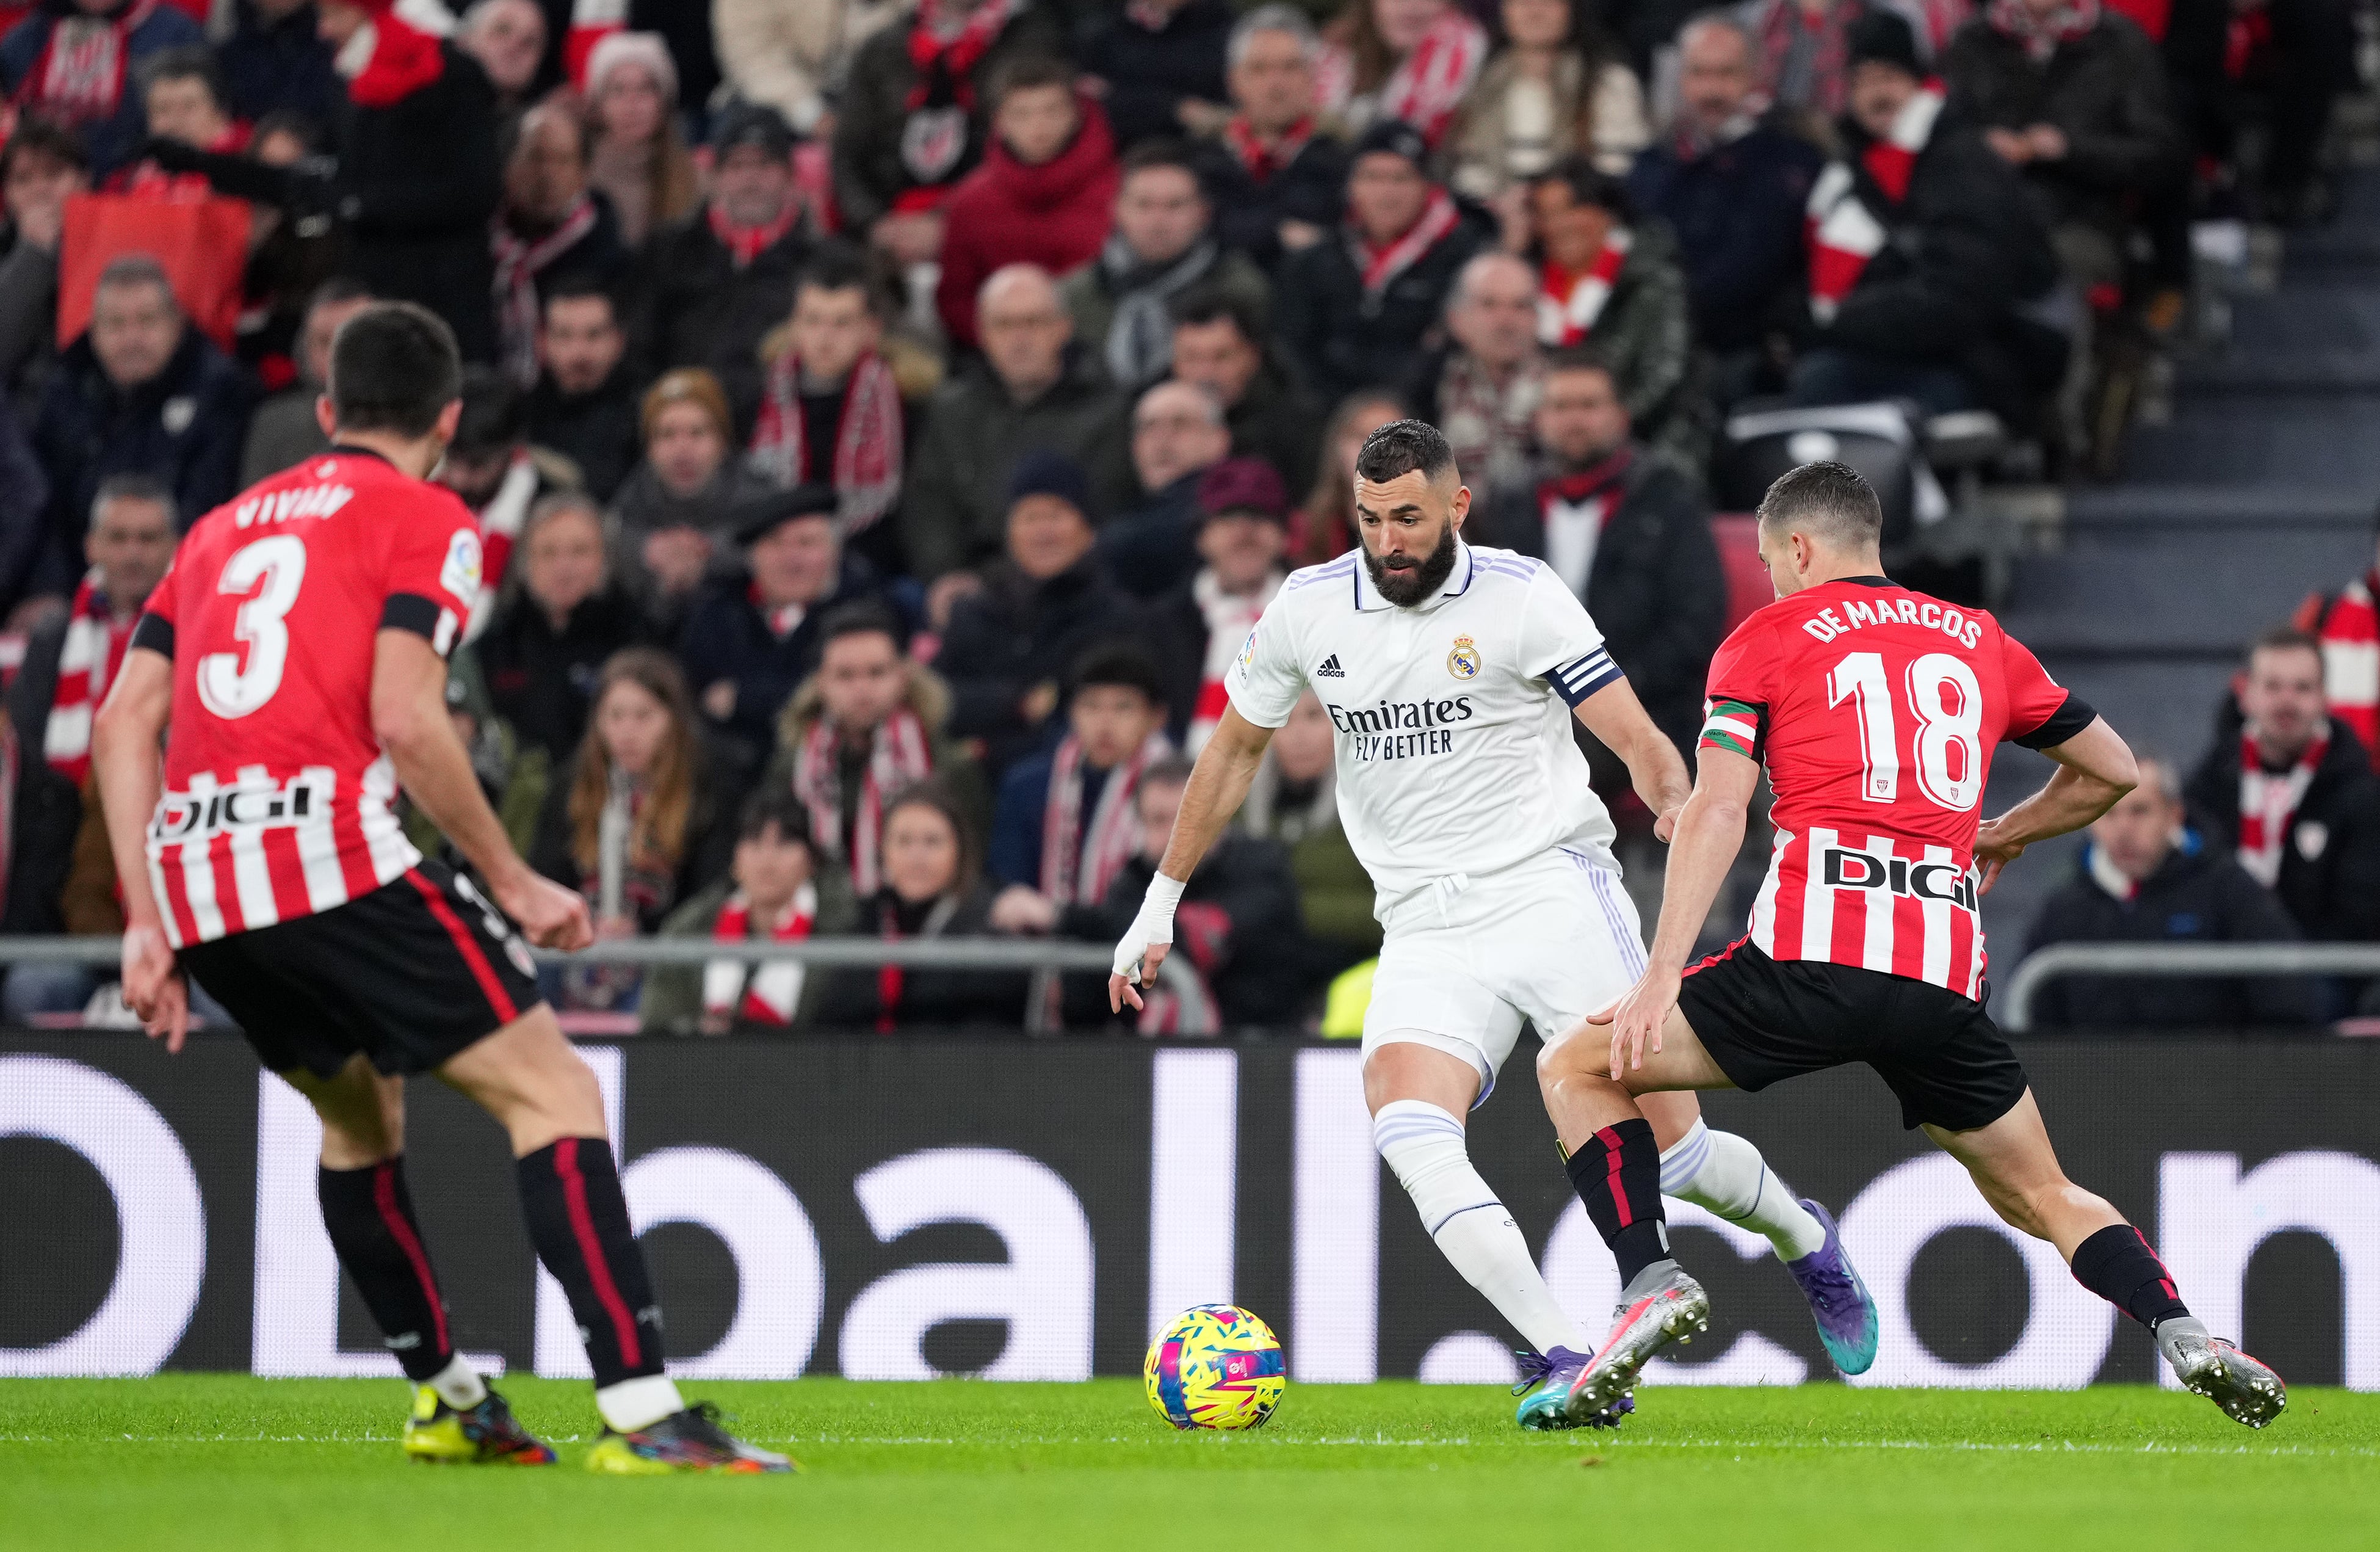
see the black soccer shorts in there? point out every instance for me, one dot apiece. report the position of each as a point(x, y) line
point(408, 975)
point(1763, 1019)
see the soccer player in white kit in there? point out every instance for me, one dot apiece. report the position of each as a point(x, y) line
point(1450, 673)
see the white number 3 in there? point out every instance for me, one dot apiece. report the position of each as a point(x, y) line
point(228, 689)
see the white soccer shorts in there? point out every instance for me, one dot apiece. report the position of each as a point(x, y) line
point(1550, 940)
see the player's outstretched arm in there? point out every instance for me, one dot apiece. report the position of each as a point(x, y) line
point(1654, 768)
point(1219, 785)
point(2094, 768)
point(409, 711)
point(124, 753)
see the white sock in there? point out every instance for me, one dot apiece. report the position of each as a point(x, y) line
point(1424, 1145)
point(1726, 1174)
point(458, 1385)
point(638, 1404)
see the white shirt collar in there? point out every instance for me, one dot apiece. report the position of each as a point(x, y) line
point(1457, 583)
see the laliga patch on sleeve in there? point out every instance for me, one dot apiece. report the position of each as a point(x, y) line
point(1248, 651)
point(460, 575)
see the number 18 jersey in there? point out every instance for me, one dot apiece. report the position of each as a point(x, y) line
point(1876, 710)
point(278, 798)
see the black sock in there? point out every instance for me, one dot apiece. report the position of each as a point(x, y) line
point(2117, 1265)
point(1618, 1174)
point(579, 1221)
point(369, 1216)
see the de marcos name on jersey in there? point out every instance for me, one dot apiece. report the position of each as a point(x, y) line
point(1399, 729)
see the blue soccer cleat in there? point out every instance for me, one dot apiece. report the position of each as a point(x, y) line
point(1547, 1378)
point(1838, 1300)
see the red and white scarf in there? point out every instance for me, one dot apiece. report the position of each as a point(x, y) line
point(1830, 60)
point(1230, 616)
point(1428, 85)
point(2041, 35)
point(2348, 630)
point(767, 993)
point(79, 76)
point(782, 620)
point(87, 662)
point(388, 58)
point(1384, 263)
point(944, 53)
point(1568, 305)
point(1844, 233)
point(1261, 160)
point(500, 525)
point(745, 244)
point(868, 443)
point(2268, 801)
point(899, 756)
point(1078, 872)
point(518, 261)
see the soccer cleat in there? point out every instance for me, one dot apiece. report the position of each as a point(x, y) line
point(2246, 1389)
point(1545, 1379)
point(1838, 1299)
point(691, 1440)
point(488, 1433)
point(1676, 1309)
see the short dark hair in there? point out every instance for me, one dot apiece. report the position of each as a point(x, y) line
point(495, 414)
point(1401, 447)
point(579, 288)
point(1173, 771)
point(1122, 665)
point(1589, 185)
point(938, 794)
point(837, 265)
point(42, 137)
point(2284, 638)
point(1206, 303)
point(775, 805)
point(191, 62)
point(1827, 499)
point(136, 487)
point(1025, 72)
point(394, 367)
point(1174, 153)
point(861, 617)
point(1579, 358)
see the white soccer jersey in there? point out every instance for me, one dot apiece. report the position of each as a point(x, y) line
point(1454, 746)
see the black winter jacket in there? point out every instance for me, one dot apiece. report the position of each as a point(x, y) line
point(1149, 74)
point(1239, 923)
point(182, 427)
point(2330, 861)
point(1017, 634)
point(694, 308)
point(1338, 336)
point(1312, 188)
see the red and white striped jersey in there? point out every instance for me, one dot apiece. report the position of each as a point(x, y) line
point(278, 798)
point(1876, 710)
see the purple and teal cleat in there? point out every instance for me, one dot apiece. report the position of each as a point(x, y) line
point(1548, 1378)
point(1838, 1300)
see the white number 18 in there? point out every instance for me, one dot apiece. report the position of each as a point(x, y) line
point(1941, 725)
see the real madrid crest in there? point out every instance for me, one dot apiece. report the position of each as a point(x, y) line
point(1464, 661)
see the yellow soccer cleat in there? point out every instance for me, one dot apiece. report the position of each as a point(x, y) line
point(489, 1433)
point(691, 1440)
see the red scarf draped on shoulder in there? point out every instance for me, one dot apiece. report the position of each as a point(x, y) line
point(767, 993)
point(400, 59)
point(1261, 160)
point(945, 58)
point(87, 662)
point(2268, 804)
point(1844, 234)
point(1383, 263)
point(866, 467)
point(2349, 629)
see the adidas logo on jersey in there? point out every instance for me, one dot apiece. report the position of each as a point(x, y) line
point(1330, 669)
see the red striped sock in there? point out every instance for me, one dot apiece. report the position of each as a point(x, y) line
point(579, 1221)
point(368, 1214)
point(1616, 1174)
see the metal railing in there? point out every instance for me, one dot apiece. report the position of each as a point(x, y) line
point(1040, 958)
point(2178, 959)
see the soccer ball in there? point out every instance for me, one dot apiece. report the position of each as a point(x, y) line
point(1217, 1366)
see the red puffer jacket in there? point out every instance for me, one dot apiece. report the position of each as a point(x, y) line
point(1055, 216)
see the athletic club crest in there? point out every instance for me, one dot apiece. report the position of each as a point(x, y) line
point(1464, 661)
point(932, 141)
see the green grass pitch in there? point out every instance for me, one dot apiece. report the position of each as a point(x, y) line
point(234, 1462)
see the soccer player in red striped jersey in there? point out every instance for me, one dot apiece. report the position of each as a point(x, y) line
point(1876, 710)
point(294, 661)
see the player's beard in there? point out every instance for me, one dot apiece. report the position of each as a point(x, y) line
point(1409, 585)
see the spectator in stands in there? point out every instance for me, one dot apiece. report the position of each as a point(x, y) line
point(1041, 197)
point(1241, 533)
point(43, 167)
point(508, 38)
point(830, 413)
point(862, 730)
point(774, 892)
point(2146, 878)
point(1921, 253)
point(1063, 827)
point(1177, 435)
point(584, 405)
point(1626, 532)
point(934, 888)
point(1325, 525)
point(1160, 67)
point(2293, 795)
point(289, 260)
point(2278, 65)
point(794, 57)
point(1607, 282)
point(141, 393)
point(1219, 345)
point(1353, 310)
point(550, 228)
point(1277, 182)
point(752, 635)
point(2347, 624)
point(1401, 62)
point(1733, 188)
point(285, 430)
point(1482, 387)
point(915, 113)
point(181, 99)
point(679, 508)
point(1042, 606)
point(716, 283)
point(565, 616)
point(1293, 801)
point(70, 61)
point(1163, 245)
point(274, 62)
point(1557, 88)
point(1029, 391)
point(636, 155)
point(1803, 49)
point(490, 465)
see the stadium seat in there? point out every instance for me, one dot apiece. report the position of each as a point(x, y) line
point(1748, 588)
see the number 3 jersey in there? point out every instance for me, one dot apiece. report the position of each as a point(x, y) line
point(278, 798)
point(1876, 710)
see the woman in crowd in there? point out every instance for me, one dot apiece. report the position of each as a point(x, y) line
point(564, 618)
point(934, 887)
point(637, 154)
point(1413, 60)
point(1325, 525)
point(1557, 88)
point(677, 508)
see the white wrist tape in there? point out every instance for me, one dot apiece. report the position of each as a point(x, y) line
point(1152, 926)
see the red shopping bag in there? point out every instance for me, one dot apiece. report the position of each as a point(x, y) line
point(202, 244)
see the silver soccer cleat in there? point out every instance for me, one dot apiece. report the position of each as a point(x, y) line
point(1675, 1310)
point(2246, 1389)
